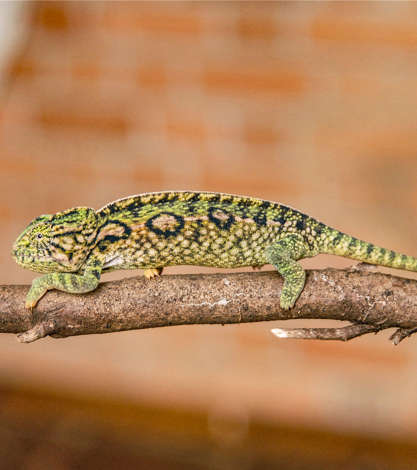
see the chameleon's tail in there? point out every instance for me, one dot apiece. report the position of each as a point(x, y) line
point(341, 244)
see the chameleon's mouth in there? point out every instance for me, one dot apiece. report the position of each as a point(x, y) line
point(20, 256)
point(39, 262)
point(28, 261)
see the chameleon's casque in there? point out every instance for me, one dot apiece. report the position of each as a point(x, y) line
point(154, 230)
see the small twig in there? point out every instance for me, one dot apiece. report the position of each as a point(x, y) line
point(37, 332)
point(340, 334)
point(401, 334)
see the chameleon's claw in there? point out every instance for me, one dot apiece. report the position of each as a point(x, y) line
point(31, 303)
point(257, 267)
point(36, 292)
point(152, 272)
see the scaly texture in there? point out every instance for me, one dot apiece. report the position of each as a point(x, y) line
point(154, 230)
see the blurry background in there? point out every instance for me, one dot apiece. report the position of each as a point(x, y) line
point(310, 104)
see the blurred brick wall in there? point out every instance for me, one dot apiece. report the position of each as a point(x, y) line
point(311, 104)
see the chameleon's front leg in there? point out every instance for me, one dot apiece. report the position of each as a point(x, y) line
point(283, 256)
point(67, 282)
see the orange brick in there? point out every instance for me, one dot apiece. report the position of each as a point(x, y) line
point(255, 79)
point(158, 20)
point(336, 29)
point(256, 28)
point(51, 16)
point(99, 123)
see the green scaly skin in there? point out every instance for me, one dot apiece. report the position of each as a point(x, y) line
point(153, 230)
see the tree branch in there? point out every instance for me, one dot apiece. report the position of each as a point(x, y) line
point(369, 301)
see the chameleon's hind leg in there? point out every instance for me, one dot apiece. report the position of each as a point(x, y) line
point(284, 255)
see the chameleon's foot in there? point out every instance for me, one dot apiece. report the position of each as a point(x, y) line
point(36, 292)
point(283, 256)
point(152, 272)
point(257, 267)
point(67, 282)
point(364, 267)
point(30, 304)
point(291, 290)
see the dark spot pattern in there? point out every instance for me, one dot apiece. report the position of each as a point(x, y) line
point(301, 223)
point(220, 217)
point(69, 233)
point(108, 239)
point(352, 243)
point(337, 238)
point(114, 208)
point(265, 205)
point(243, 211)
point(283, 214)
point(260, 218)
point(168, 232)
point(68, 216)
point(96, 273)
point(55, 245)
point(194, 198)
point(280, 219)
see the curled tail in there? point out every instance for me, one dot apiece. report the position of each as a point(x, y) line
point(341, 244)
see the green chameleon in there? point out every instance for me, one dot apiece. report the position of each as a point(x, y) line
point(153, 230)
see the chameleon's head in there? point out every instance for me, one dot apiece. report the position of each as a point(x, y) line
point(59, 242)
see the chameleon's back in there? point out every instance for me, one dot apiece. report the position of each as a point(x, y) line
point(209, 229)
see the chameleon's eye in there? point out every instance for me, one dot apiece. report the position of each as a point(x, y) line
point(39, 236)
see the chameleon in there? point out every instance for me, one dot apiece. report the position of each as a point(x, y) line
point(150, 231)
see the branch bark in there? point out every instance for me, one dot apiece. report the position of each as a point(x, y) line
point(369, 301)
